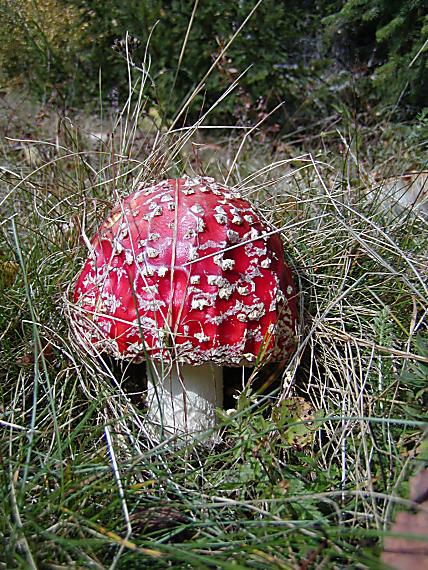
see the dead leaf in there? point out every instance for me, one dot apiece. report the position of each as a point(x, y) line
point(419, 487)
point(410, 553)
point(28, 358)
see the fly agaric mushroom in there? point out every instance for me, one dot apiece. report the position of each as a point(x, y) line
point(185, 274)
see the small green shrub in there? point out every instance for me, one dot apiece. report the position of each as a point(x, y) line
point(39, 43)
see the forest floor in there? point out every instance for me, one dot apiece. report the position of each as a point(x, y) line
point(315, 458)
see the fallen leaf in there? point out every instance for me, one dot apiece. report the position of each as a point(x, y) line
point(419, 487)
point(28, 358)
point(410, 552)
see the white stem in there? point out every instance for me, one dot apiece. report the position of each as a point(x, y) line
point(182, 399)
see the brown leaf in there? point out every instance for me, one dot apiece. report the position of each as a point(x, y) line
point(28, 359)
point(410, 553)
point(419, 487)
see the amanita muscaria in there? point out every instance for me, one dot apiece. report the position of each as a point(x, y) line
point(186, 274)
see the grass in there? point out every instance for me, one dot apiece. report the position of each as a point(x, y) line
point(312, 468)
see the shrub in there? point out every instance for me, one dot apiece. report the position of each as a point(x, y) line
point(275, 52)
point(310, 54)
point(386, 42)
point(39, 43)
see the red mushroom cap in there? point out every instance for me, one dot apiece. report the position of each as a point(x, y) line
point(184, 270)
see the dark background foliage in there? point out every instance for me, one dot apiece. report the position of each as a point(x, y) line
point(314, 55)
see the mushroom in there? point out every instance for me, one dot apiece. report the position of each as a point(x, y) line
point(186, 275)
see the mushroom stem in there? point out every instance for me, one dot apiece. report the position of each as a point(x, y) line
point(182, 399)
